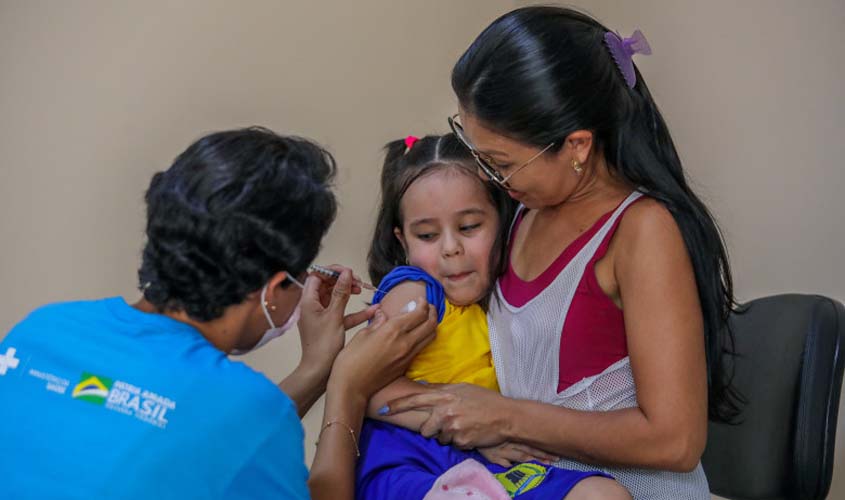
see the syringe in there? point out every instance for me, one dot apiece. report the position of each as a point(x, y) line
point(331, 273)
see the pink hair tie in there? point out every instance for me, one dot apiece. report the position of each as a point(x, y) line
point(409, 142)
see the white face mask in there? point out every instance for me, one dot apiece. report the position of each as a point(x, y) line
point(274, 331)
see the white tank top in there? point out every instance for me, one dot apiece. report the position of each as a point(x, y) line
point(525, 342)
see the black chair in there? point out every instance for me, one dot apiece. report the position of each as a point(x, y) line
point(790, 371)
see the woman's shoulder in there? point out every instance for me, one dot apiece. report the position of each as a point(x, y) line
point(647, 235)
point(245, 387)
point(647, 219)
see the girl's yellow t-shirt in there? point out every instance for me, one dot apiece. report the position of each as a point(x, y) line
point(460, 352)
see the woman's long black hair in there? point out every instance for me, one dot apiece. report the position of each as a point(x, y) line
point(536, 75)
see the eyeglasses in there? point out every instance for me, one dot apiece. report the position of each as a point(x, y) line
point(485, 167)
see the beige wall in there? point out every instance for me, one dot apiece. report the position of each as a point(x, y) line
point(96, 96)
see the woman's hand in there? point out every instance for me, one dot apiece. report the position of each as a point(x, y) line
point(464, 415)
point(322, 325)
point(327, 283)
point(377, 355)
point(322, 332)
point(507, 454)
point(381, 352)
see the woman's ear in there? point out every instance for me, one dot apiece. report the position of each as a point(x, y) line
point(580, 145)
point(273, 285)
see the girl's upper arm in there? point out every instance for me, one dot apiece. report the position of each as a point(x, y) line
point(663, 322)
point(399, 296)
point(392, 303)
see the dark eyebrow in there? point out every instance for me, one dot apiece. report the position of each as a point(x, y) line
point(420, 222)
point(471, 211)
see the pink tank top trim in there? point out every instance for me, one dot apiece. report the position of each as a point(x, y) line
point(593, 336)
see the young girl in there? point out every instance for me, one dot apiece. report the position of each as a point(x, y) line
point(440, 232)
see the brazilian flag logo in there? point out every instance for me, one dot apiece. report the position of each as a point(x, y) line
point(92, 388)
point(522, 478)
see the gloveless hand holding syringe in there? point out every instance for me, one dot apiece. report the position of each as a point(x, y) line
point(331, 273)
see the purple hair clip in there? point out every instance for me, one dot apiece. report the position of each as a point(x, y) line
point(623, 50)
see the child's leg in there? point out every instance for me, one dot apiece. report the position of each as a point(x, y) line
point(598, 488)
point(538, 481)
point(397, 464)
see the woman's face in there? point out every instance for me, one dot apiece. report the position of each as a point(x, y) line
point(547, 180)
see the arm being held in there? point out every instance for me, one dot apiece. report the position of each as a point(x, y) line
point(379, 352)
point(322, 337)
point(393, 302)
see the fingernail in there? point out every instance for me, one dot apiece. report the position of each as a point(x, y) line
point(384, 410)
point(410, 306)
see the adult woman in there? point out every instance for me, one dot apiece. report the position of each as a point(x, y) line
point(157, 408)
point(613, 310)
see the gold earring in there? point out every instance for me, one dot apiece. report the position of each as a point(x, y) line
point(577, 167)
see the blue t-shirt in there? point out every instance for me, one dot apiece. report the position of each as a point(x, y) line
point(101, 400)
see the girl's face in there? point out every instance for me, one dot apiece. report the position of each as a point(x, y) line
point(449, 228)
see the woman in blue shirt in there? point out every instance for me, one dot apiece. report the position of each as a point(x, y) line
point(103, 399)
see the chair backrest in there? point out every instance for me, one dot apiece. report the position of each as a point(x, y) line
point(789, 369)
